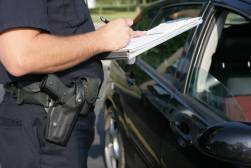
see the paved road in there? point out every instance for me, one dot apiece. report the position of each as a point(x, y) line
point(96, 159)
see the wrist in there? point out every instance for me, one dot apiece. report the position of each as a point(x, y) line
point(101, 41)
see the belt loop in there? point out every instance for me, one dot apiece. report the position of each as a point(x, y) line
point(11, 89)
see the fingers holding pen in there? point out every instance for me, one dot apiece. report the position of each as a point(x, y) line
point(116, 34)
point(128, 23)
point(133, 34)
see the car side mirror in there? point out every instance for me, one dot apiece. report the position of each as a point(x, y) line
point(230, 142)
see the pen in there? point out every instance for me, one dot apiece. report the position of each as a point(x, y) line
point(103, 19)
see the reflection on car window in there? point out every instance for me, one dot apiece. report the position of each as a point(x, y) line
point(166, 57)
point(169, 14)
point(135, 73)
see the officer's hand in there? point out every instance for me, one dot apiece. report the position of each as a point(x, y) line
point(116, 34)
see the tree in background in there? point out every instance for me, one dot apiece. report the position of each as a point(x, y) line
point(117, 2)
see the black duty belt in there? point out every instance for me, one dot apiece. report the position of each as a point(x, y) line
point(26, 95)
point(63, 104)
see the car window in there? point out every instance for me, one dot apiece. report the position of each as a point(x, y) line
point(145, 17)
point(166, 57)
point(213, 93)
point(222, 81)
point(235, 19)
point(135, 73)
point(173, 13)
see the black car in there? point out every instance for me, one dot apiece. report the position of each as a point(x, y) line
point(187, 102)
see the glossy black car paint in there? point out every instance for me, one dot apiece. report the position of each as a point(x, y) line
point(242, 6)
point(228, 140)
point(161, 129)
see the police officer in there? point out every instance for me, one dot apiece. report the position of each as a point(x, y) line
point(49, 36)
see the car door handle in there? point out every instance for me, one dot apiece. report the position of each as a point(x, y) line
point(183, 134)
point(187, 127)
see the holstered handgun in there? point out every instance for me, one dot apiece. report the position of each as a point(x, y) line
point(67, 103)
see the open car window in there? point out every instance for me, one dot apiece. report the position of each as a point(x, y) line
point(215, 95)
point(222, 80)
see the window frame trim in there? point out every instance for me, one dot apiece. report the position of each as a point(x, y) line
point(200, 42)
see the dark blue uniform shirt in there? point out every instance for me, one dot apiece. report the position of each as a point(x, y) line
point(58, 17)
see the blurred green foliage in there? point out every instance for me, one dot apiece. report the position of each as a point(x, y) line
point(112, 15)
point(114, 9)
point(124, 1)
point(112, 1)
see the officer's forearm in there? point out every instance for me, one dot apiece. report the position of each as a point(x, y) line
point(24, 51)
point(63, 52)
point(44, 53)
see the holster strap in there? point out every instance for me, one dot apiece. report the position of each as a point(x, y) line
point(22, 95)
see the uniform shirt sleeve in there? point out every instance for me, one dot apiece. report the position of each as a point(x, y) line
point(23, 14)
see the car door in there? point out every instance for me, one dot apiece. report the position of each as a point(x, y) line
point(207, 99)
point(169, 73)
point(144, 99)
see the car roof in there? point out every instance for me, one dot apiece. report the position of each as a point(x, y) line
point(244, 6)
point(241, 5)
